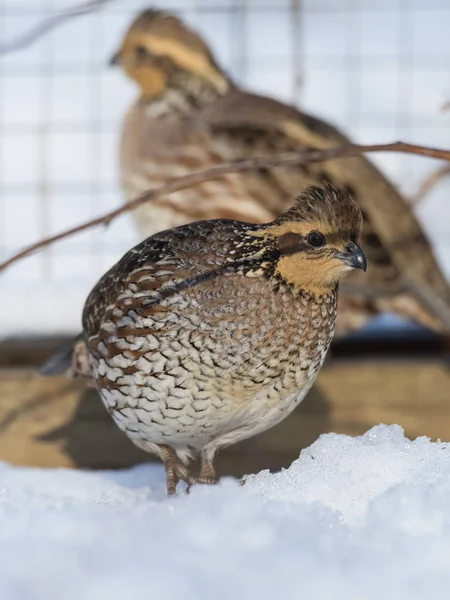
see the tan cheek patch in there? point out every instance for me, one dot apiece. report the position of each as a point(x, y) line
point(150, 79)
point(316, 275)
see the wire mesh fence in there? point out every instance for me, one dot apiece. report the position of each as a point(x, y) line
point(378, 69)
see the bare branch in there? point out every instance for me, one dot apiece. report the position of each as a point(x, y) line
point(429, 183)
point(181, 183)
point(50, 23)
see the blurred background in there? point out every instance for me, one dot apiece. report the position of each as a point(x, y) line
point(376, 69)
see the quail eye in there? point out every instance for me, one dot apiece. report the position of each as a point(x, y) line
point(315, 239)
point(142, 52)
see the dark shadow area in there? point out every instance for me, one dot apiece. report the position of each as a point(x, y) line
point(92, 439)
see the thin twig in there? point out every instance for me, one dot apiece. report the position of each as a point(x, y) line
point(50, 23)
point(429, 183)
point(181, 183)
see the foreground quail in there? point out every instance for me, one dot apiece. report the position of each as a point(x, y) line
point(190, 116)
point(209, 333)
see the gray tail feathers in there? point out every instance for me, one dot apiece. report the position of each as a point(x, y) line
point(61, 361)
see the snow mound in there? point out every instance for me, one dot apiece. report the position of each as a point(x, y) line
point(352, 518)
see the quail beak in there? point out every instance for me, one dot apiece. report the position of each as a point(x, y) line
point(353, 256)
point(114, 60)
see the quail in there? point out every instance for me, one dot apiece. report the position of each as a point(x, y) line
point(190, 115)
point(212, 332)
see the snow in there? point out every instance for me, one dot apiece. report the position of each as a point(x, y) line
point(352, 518)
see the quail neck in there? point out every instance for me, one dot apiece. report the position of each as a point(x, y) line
point(184, 93)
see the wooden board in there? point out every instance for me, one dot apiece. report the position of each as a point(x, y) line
point(56, 422)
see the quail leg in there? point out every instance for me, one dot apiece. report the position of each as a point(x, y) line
point(176, 471)
point(207, 470)
point(170, 463)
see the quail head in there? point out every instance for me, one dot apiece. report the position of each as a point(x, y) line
point(212, 332)
point(190, 115)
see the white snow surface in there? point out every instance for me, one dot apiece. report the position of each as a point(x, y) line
point(352, 518)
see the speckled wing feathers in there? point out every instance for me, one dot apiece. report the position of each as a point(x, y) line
point(178, 258)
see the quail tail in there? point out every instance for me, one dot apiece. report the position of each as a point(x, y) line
point(59, 362)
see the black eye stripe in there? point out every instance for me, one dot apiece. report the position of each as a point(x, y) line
point(290, 243)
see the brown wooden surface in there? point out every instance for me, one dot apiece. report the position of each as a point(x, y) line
point(56, 422)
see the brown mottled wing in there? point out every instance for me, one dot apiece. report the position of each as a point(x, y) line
point(401, 261)
point(173, 259)
point(155, 149)
point(185, 255)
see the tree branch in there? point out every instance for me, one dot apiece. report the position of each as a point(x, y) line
point(50, 23)
point(430, 182)
point(181, 183)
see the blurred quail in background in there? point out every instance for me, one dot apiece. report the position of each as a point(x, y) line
point(212, 332)
point(190, 116)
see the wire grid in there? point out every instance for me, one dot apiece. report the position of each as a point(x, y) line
point(378, 69)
